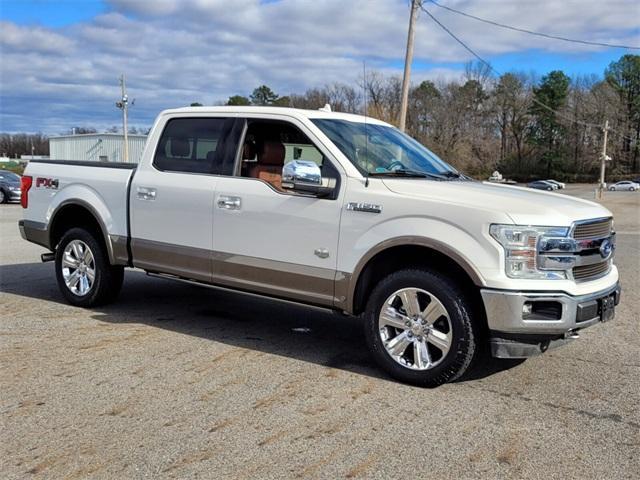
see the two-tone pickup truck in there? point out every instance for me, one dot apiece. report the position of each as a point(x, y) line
point(338, 211)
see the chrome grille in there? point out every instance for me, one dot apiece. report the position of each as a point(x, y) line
point(595, 229)
point(587, 272)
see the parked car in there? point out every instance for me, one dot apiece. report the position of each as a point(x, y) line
point(496, 177)
point(560, 185)
point(542, 185)
point(9, 186)
point(287, 203)
point(625, 185)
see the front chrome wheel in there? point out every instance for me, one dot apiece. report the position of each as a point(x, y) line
point(78, 267)
point(415, 328)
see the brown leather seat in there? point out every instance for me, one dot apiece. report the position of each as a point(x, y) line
point(248, 157)
point(269, 164)
point(249, 150)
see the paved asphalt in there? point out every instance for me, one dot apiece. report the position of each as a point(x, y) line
point(177, 381)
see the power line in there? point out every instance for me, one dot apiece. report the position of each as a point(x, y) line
point(531, 32)
point(533, 99)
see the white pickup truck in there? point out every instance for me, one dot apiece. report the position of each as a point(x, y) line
point(338, 211)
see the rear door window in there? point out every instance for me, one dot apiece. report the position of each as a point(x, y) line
point(197, 145)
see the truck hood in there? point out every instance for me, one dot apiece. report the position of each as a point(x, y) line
point(523, 205)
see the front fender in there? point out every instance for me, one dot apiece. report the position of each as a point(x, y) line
point(475, 254)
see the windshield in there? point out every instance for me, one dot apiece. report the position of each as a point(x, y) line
point(10, 176)
point(378, 149)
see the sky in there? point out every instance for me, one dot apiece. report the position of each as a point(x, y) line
point(60, 60)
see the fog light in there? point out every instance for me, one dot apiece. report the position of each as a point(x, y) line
point(542, 310)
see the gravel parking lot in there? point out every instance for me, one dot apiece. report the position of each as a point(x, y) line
point(179, 381)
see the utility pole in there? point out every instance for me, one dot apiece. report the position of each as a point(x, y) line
point(123, 105)
point(603, 159)
point(408, 58)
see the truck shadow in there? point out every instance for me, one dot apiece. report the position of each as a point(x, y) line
point(295, 331)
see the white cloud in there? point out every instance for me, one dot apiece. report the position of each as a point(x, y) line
point(178, 51)
point(38, 39)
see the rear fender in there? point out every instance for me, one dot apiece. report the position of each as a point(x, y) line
point(88, 198)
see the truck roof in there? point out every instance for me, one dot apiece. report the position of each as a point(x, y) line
point(292, 112)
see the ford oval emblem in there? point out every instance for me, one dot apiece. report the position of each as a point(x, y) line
point(606, 247)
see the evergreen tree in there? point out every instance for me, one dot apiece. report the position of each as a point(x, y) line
point(547, 130)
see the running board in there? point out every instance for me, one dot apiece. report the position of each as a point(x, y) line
point(168, 276)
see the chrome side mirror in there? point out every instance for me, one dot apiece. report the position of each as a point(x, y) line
point(301, 171)
point(304, 176)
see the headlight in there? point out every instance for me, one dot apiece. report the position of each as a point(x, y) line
point(520, 245)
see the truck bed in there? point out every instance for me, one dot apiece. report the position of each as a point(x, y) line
point(103, 187)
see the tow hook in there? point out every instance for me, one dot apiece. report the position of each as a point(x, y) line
point(572, 335)
point(48, 257)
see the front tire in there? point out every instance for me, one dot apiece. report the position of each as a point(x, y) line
point(419, 329)
point(612, 189)
point(631, 189)
point(83, 272)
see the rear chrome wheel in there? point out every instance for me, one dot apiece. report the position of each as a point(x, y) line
point(415, 328)
point(83, 272)
point(78, 267)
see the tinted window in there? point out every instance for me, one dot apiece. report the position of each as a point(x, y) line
point(196, 145)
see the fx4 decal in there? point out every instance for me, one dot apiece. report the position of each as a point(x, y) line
point(47, 182)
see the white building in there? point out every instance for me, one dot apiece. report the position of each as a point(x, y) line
point(97, 147)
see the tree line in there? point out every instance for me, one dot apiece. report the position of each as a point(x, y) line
point(13, 145)
point(525, 127)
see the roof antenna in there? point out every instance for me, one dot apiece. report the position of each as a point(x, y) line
point(326, 108)
point(366, 137)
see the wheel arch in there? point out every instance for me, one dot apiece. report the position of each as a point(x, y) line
point(78, 213)
point(408, 252)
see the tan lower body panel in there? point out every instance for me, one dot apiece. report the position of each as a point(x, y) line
point(119, 249)
point(281, 279)
point(269, 277)
point(188, 262)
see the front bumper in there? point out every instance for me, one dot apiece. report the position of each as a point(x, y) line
point(517, 333)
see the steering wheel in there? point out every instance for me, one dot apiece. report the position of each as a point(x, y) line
point(396, 165)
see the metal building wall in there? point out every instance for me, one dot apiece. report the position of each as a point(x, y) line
point(95, 147)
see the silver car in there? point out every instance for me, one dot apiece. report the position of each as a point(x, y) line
point(625, 185)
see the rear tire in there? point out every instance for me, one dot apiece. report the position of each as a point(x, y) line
point(438, 329)
point(83, 272)
point(3, 197)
